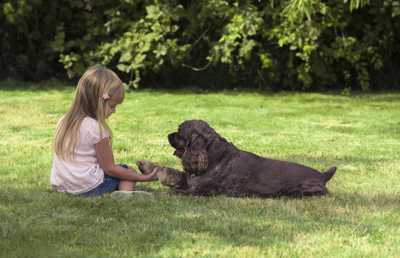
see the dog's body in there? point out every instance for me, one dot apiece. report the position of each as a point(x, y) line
point(246, 174)
point(214, 166)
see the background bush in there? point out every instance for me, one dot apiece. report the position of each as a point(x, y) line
point(296, 44)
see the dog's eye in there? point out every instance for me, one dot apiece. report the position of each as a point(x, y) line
point(193, 138)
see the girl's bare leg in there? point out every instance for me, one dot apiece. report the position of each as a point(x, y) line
point(126, 185)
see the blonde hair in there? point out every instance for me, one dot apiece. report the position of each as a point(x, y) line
point(90, 100)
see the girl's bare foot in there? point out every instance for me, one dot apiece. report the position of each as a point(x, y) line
point(129, 194)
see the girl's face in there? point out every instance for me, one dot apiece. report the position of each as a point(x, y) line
point(113, 102)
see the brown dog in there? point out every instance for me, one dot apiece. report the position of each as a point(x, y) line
point(214, 166)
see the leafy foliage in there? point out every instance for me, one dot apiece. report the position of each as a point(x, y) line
point(294, 44)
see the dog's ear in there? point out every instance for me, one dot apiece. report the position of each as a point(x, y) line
point(216, 148)
point(197, 142)
point(194, 158)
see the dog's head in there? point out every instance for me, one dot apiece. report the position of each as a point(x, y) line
point(197, 145)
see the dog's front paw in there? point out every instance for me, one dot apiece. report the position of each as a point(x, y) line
point(146, 167)
point(170, 177)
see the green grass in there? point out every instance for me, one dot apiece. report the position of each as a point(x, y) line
point(360, 218)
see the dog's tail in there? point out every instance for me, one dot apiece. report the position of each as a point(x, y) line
point(329, 174)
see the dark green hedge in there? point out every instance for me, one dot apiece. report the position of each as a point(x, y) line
point(296, 44)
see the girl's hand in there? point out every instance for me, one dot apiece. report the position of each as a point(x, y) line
point(152, 176)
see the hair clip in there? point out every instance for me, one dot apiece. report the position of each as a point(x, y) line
point(106, 96)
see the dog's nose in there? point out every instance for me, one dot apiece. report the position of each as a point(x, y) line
point(172, 138)
point(179, 153)
point(171, 135)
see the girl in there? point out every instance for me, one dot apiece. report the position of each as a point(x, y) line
point(83, 161)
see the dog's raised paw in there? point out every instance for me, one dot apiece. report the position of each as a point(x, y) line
point(146, 167)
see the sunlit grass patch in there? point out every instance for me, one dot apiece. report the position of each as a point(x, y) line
point(359, 218)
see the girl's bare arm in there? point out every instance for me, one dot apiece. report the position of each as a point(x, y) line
point(105, 158)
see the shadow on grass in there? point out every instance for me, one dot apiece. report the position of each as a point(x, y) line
point(287, 96)
point(56, 223)
point(302, 97)
point(12, 85)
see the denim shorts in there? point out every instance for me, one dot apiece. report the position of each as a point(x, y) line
point(110, 184)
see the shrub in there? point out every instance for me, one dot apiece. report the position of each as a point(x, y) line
point(296, 44)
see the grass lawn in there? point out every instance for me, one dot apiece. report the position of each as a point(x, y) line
point(359, 134)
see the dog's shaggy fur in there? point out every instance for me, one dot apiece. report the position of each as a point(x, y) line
point(214, 166)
